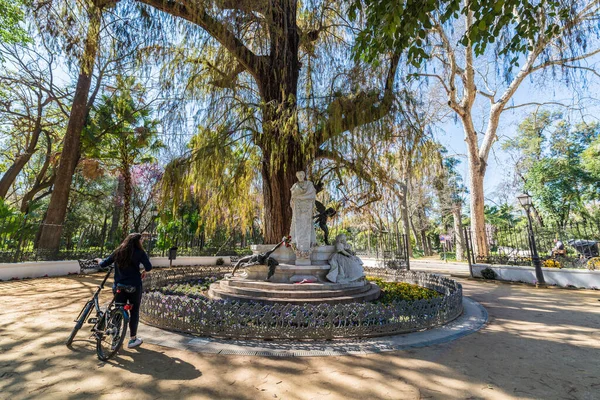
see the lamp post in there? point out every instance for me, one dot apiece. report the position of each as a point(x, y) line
point(526, 203)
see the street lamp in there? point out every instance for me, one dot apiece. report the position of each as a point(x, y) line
point(526, 202)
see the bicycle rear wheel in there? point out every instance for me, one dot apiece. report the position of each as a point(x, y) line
point(83, 315)
point(110, 339)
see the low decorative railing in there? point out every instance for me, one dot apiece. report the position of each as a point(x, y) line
point(232, 319)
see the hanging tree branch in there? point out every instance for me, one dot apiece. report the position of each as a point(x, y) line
point(198, 15)
point(349, 112)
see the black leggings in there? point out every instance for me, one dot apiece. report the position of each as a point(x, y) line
point(134, 299)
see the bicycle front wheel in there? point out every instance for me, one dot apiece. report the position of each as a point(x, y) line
point(85, 312)
point(110, 339)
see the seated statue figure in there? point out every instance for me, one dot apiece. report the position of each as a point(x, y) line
point(345, 265)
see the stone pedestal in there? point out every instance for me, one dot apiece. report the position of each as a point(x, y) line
point(284, 286)
point(285, 255)
point(290, 268)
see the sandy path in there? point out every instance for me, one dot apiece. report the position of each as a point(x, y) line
point(542, 344)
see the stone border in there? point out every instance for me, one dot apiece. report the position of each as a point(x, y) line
point(474, 318)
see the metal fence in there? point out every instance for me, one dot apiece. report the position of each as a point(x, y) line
point(19, 236)
point(233, 319)
point(570, 246)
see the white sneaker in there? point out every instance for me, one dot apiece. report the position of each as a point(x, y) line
point(134, 343)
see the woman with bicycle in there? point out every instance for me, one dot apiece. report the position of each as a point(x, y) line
point(128, 278)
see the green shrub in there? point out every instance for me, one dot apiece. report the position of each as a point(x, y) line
point(398, 291)
point(488, 273)
point(220, 261)
point(450, 255)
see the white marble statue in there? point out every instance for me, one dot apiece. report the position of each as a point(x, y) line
point(345, 266)
point(302, 230)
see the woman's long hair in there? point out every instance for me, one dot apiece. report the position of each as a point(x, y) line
point(124, 252)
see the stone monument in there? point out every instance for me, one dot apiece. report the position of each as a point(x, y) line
point(301, 271)
point(302, 229)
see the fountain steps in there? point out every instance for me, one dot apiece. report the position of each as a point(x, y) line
point(290, 293)
point(294, 293)
point(244, 283)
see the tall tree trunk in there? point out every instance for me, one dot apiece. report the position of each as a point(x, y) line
point(282, 151)
point(277, 197)
point(57, 209)
point(458, 231)
point(416, 235)
point(406, 218)
point(476, 175)
point(116, 211)
point(126, 200)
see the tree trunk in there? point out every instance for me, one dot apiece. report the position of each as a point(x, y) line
point(282, 152)
point(22, 159)
point(405, 218)
point(424, 242)
point(458, 231)
point(476, 175)
point(116, 211)
point(416, 235)
point(126, 200)
point(41, 181)
point(57, 209)
point(12, 172)
point(277, 197)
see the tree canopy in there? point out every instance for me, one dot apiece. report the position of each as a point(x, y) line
point(11, 17)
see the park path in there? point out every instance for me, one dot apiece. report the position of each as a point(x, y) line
point(538, 344)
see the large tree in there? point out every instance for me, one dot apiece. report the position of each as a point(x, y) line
point(32, 105)
point(123, 135)
point(450, 38)
point(81, 43)
point(259, 65)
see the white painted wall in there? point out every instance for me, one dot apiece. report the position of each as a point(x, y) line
point(34, 269)
point(38, 269)
point(581, 278)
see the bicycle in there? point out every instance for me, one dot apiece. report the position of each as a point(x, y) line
point(110, 326)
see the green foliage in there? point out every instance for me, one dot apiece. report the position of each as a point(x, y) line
point(501, 216)
point(555, 161)
point(590, 159)
point(488, 273)
point(197, 289)
point(11, 17)
point(218, 176)
point(404, 25)
point(557, 180)
point(402, 291)
point(448, 255)
point(121, 132)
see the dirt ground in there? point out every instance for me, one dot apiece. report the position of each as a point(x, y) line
point(538, 344)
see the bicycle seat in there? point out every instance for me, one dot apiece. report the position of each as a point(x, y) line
point(125, 288)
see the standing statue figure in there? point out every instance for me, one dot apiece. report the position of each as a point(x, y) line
point(321, 219)
point(302, 229)
point(345, 265)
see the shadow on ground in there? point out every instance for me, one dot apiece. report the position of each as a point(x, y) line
point(537, 344)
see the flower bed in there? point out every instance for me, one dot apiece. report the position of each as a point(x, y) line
point(402, 291)
point(165, 306)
